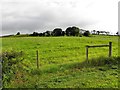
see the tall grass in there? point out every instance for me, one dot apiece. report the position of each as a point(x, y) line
point(95, 62)
point(14, 71)
point(11, 63)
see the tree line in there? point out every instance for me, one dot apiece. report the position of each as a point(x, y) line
point(70, 31)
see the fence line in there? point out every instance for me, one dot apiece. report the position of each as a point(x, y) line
point(93, 46)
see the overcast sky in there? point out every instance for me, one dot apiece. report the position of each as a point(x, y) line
point(27, 16)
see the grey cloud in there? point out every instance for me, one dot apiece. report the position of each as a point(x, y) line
point(28, 17)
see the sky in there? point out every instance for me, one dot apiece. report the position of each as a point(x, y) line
point(28, 16)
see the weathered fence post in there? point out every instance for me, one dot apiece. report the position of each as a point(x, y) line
point(93, 46)
point(86, 53)
point(37, 59)
point(110, 49)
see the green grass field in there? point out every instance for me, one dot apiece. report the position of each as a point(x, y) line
point(60, 61)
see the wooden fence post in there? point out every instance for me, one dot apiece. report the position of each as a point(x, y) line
point(86, 53)
point(110, 49)
point(37, 59)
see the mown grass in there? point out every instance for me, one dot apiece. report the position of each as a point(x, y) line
point(62, 62)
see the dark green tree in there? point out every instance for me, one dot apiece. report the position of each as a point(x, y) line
point(63, 33)
point(69, 31)
point(98, 32)
point(86, 33)
point(18, 33)
point(72, 31)
point(117, 33)
point(57, 32)
point(35, 34)
point(48, 33)
point(40, 34)
point(94, 32)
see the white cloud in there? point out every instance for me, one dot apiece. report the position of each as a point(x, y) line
point(42, 15)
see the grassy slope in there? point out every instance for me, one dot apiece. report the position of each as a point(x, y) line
point(57, 55)
point(105, 76)
point(58, 50)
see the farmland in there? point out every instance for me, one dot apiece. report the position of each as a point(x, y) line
point(60, 62)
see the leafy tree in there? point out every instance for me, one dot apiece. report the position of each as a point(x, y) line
point(48, 33)
point(40, 34)
point(63, 33)
point(69, 31)
point(98, 32)
point(18, 33)
point(86, 33)
point(117, 33)
point(35, 34)
point(72, 31)
point(75, 31)
point(94, 31)
point(57, 32)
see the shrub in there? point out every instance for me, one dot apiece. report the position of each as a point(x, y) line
point(103, 61)
point(10, 64)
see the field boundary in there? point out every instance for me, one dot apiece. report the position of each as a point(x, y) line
point(93, 46)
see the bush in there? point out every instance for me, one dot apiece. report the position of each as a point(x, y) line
point(11, 61)
point(103, 61)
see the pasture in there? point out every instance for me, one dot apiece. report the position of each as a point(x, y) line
point(59, 62)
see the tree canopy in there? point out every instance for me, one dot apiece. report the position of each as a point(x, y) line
point(57, 32)
point(72, 31)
